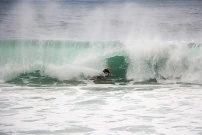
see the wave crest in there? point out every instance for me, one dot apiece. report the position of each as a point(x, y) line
point(57, 61)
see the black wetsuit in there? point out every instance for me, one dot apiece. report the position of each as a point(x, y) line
point(106, 71)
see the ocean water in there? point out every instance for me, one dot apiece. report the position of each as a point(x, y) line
point(50, 50)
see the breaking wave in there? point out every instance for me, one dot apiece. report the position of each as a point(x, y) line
point(74, 62)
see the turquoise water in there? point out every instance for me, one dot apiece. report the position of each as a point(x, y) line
point(56, 62)
point(51, 50)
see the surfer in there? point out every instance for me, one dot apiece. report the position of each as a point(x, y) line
point(105, 72)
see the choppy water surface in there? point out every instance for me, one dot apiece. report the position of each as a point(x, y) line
point(51, 49)
point(98, 109)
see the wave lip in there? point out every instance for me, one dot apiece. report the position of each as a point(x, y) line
point(57, 62)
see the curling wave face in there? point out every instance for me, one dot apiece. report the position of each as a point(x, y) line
point(74, 62)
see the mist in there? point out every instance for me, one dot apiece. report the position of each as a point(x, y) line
point(98, 21)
